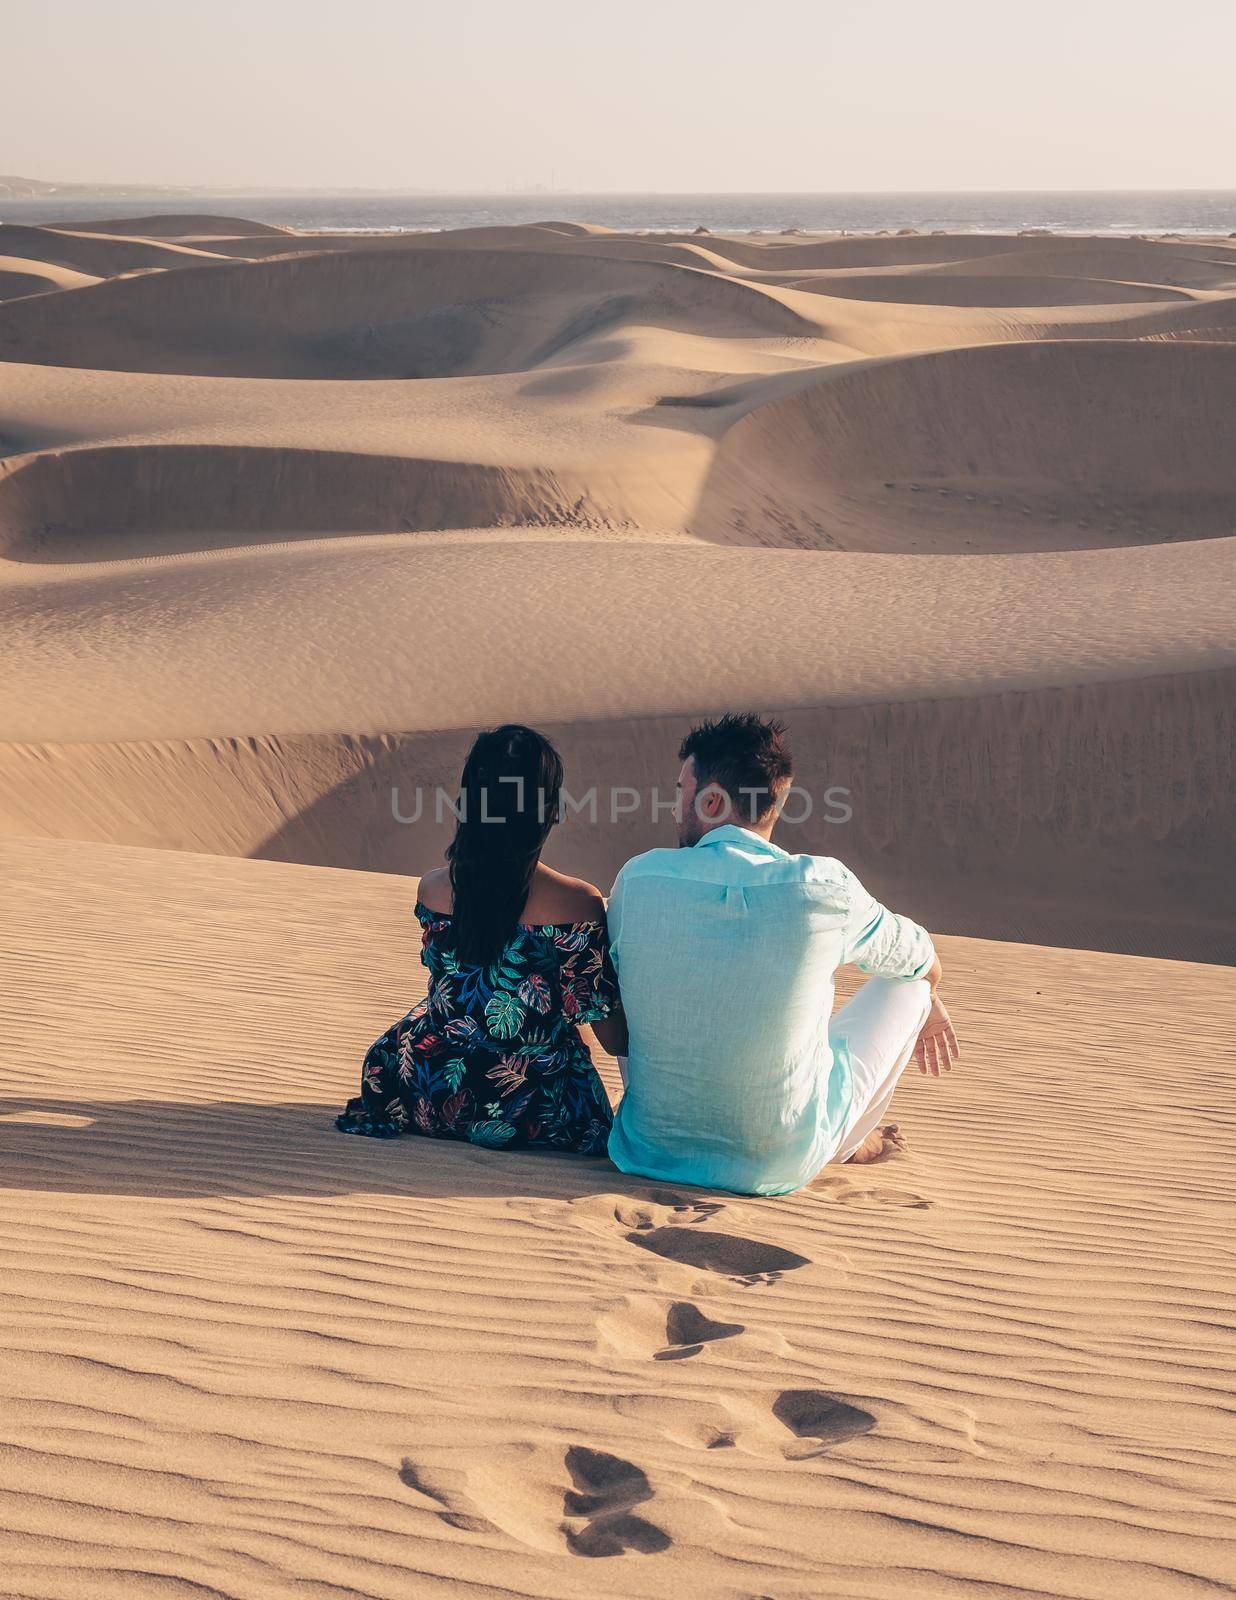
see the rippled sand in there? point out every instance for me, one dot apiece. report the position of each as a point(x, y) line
point(246, 1355)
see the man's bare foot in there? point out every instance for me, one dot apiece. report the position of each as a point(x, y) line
point(880, 1142)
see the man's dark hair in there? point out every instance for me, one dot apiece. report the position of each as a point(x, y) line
point(746, 756)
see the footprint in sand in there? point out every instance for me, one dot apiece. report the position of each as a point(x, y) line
point(839, 1188)
point(820, 1419)
point(413, 1477)
point(650, 1325)
point(688, 1330)
point(523, 1494)
point(748, 1261)
point(664, 1207)
point(599, 1513)
point(667, 1224)
point(898, 1199)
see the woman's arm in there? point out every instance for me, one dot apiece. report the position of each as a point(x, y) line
point(611, 1032)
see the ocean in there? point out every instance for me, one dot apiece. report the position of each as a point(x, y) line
point(1112, 212)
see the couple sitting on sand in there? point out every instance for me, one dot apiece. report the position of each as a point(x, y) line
point(711, 980)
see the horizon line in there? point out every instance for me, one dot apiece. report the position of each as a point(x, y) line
point(171, 190)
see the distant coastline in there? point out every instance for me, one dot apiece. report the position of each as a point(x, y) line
point(1186, 212)
point(18, 188)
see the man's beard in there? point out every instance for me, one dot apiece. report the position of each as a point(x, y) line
point(690, 833)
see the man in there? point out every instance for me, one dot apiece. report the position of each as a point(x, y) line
point(726, 951)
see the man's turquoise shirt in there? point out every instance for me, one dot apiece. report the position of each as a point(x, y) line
point(726, 954)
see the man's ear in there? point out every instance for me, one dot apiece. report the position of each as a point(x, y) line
point(715, 801)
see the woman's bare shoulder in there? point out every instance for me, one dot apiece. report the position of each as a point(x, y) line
point(435, 890)
point(554, 897)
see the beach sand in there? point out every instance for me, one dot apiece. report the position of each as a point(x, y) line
point(283, 519)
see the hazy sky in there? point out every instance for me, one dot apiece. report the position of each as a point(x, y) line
point(671, 95)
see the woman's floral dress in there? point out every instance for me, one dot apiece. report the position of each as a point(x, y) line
point(493, 1054)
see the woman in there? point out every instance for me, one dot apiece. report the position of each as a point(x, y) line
point(518, 959)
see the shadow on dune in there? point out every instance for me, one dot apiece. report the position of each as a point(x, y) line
point(172, 499)
point(374, 313)
point(1052, 444)
point(1093, 816)
point(162, 1150)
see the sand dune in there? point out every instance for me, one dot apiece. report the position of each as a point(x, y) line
point(906, 327)
point(415, 311)
point(987, 251)
point(974, 289)
point(242, 610)
point(276, 532)
point(990, 447)
point(995, 447)
point(20, 276)
point(531, 236)
point(146, 650)
point(128, 694)
point(278, 529)
point(181, 226)
point(413, 314)
point(245, 1355)
point(168, 499)
point(1205, 267)
point(97, 256)
point(1094, 817)
point(109, 465)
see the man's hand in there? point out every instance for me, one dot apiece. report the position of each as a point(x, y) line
point(937, 1046)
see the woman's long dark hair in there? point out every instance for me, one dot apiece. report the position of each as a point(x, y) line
point(508, 804)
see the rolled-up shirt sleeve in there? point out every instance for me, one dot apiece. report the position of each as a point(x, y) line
point(880, 942)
